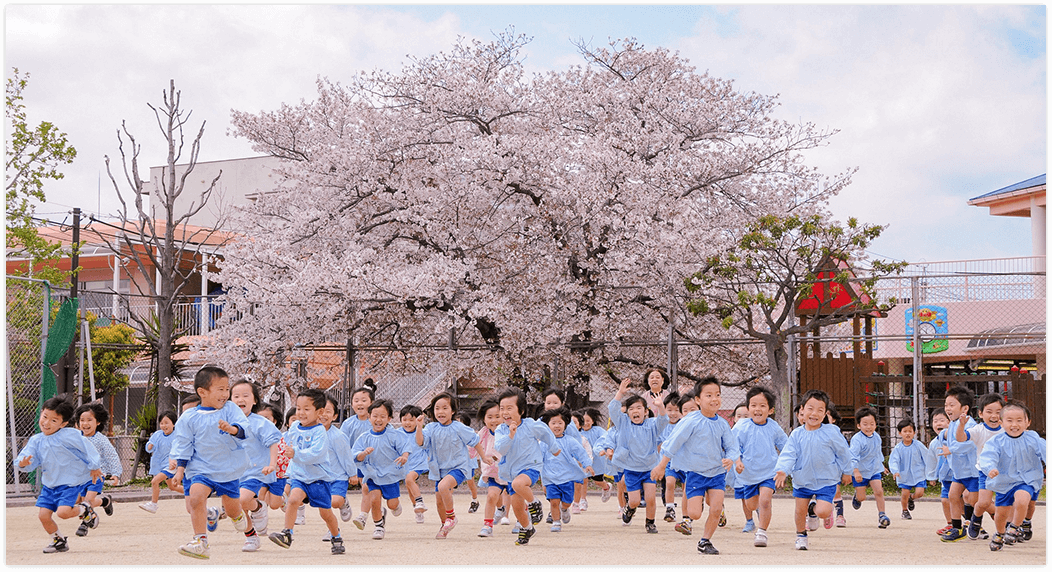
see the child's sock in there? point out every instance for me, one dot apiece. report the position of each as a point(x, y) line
point(977, 519)
point(969, 510)
point(57, 535)
point(251, 531)
point(670, 505)
point(487, 522)
point(956, 523)
point(802, 533)
point(418, 499)
point(650, 521)
point(450, 515)
point(839, 507)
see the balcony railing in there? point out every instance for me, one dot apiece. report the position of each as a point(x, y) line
point(193, 315)
point(1020, 278)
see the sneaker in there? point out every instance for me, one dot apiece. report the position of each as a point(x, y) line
point(240, 523)
point(557, 527)
point(996, 544)
point(251, 544)
point(684, 527)
point(801, 543)
point(149, 506)
point(761, 539)
point(548, 520)
point(419, 507)
point(983, 535)
point(706, 547)
point(906, 515)
point(910, 504)
point(327, 537)
point(486, 531)
point(972, 528)
point(1028, 530)
point(566, 516)
point(282, 539)
point(883, 521)
point(346, 511)
point(447, 526)
point(397, 510)
point(498, 513)
point(1013, 534)
point(841, 522)
point(419, 518)
point(536, 513)
point(378, 533)
point(626, 517)
point(828, 522)
point(474, 506)
point(575, 508)
point(943, 530)
point(723, 519)
point(261, 520)
point(643, 503)
point(359, 521)
point(517, 528)
point(57, 545)
point(524, 536)
point(504, 521)
point(812, 523)
point(91, 520)
point(954, 535)
point(607, 493)
point(107, 505)
point(583, 505)
point(222, 512)
point(670, 514)
point(213, 518)
point(196, 548)
point(855, 503)
point(301, 515)
point(337, 545)
point(651, 528)
point(750, 525)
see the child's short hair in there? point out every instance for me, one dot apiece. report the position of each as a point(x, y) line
point(554, 391)
point(98, 411)
point(316, 396)
point(1016, 404)
point(632, 400)
point(195, 398)
point(255, 393)
point(962, 394)
point(170, 415)
point(744, 404)
point(834, 414)
point(761, 390)
point(816, 394)
point(520, 399)
point(289, 415)
point(463, 417)
point(864, 412)
point(364, 389)
point(936, 411)
point(672, 397)
point(594, 413)
point(411, 410)
point(987, 399)
point(665, 381)
point(206, 375)
point(710, 380)
point(557, 412)
point(486, 406)
point(330, 400)
point(274, 412)
point(444, 395)
point(385, 403)
point(904, 424)
point(60, 406)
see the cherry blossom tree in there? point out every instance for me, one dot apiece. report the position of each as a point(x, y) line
point(553, 215)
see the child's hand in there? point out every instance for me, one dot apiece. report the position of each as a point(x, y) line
point(657, 473)
point(779, 479)
point(25, 461)
point(945, 451)
point(402, 459)
point(172, 464)
point(739, 466)
point(624, 385)
point(556, 454)
point(511, 430)
point(609, 454)
point(590, 471)
point(95, 475)
point(113, 480)
point(268, 469)
point(727, 464)
point(489, 459)
point(896, 476)
point(858, 475)
point(226, 427)
point(420, 421)
point(993, 473)
point(290, 452)
point(368, 451)
point(846, 479)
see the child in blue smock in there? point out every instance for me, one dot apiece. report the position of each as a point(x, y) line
point(91, 419)
point(159, 446)
point(382, 454)
point(353, 427)
point(672, 475)
point(417, 463)
point(867, 462)
point(817, 457)
point(261, 448)
point(909, 462)
point(941, 472)
point(340, 463)
point(636, 450)
point(67, 462)
point(964, 488)
point(590, 430)
point(562, 472)
point(760, 439)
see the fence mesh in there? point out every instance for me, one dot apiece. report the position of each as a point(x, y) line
point(27, 322)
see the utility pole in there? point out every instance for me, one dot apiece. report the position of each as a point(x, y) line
point(69, 373)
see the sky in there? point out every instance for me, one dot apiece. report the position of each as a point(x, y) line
point(934, 105)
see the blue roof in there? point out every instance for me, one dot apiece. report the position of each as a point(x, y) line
point(1033, 182)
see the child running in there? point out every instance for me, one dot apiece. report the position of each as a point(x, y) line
point(382, 453)
point(867, 460)
point(472, 466)
point(817, 457)
point(417, 463)
point(910, 461)
point(210, 460)
point(159, 446)
point(91, 420)
point(262, 448)
point(353, 427)
point(273, 495)
point(759, 440)
point(708, 449)
point(341, 463)
point(636, 450)
point(67, 461)
point(489, 477)
point(308, 474)
point(562, 472)
point(592, 432)
point(941, 472)
point(964, 490)
point(671, 476)
point(741, 411)
point(990, 414)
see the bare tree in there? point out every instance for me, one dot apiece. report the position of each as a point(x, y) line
point(156, 240)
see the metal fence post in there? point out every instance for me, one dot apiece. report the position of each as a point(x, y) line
point(917, 374)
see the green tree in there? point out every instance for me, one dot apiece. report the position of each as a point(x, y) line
point(755, 285)
point(33, 156)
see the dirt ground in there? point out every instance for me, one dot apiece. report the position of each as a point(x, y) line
point(132, 536)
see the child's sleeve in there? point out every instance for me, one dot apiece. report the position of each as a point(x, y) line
point(614, 410)
point(780, 437)
point(989, 458)
point(30, 450)
point(544, 434)
point(268, 434)
point(894, 461)
point(731, 448)
point(111, 461)
point(502, 440)
point(855, 452)
point(467, 435)
point(842, 454)
point(578, 452)
point(84, 450)
point(182, 440)
point(153, 441)
point(787, 457)
point(681, 432)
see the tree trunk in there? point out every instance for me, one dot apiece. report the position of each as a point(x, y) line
point(777, 361)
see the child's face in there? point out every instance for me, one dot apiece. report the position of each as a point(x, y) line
point(552, 402)
point(509, 411)
point(327, 414)
point(688, 406)
point(166, 425)
point(940, 422)
point(952, 407)
point(655, 381)
point(379, 419)
point(673, 412)
point(709, 400)
point(242, 396)
point(50, 422)
point(586, 422)
point(740, 413)
point(907, 434)
point(267, 414)
point(409, 422)
point(217, 395)
point(87, 423)
point(759, 409)
point(867, 425)
point(637, 412)
point(1015, 422)
point(306, 413)
point(557, 425)
point(492, 418)
point(813, 413)
point(360, 403)
point(443, 412)
point(991, 414)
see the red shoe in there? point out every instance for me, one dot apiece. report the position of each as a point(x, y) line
point(828, 522)
point(944, 529)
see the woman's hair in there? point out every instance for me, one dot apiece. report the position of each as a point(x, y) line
point(665, 381)
point(463, 417)
point(255, 393)
point(412, 410)
point(520, 399)
point(170, 415)
point(316, 397)
point(61, 407)
point(486, 406)
point(97, 411)
point(386, 404)
point(444, 395)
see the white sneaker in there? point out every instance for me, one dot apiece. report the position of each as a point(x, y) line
point(583, 504)
point(359, 521)
point(801, 543)
point(812, 524)
point(260, 520)
point(301, 514)
point(498, 513)
point(378, 533)
point(397, 510)
point(575, 508)
point(149, 506)
point(566, 517)
point(505, 520)
point(346, 511)
point(557, 527)
point(761, 539)
point(420, 518)
point(486, 531)
point(607, 493)
point(419, 507)
point(240, 523)
point(196, 548)
point(251, 544)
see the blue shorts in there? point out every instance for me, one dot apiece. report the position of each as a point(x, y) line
point(252, 485)
point(418, 471)
point(90, 486)
point(227, 489)
point(634, 480)
point(697, 484)
point(318, 495)
point(339, 488)
point(360, 476)
point(62, 495)
point(866, 482)
point(982, 481)
point(619, 476)
point(822, 494)
point(945, 493)
point(906, 487)
point(678, 475)
point(491, 482)
point(457, 474)
point(1008, 498)
point(749, 491)
point(971, 484)
point(561, 491)
point(532, 474)
point(388, 492)
point(167, 474)
point(277, 487)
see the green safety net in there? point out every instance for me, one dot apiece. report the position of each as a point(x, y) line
point(60, 335)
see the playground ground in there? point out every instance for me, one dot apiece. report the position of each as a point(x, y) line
point(594, 538)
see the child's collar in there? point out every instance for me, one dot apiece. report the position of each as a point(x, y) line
point(998, 428)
